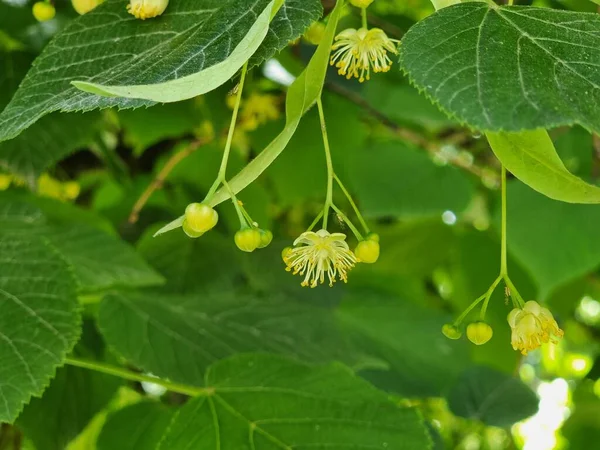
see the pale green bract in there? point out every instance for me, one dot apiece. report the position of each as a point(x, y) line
point(301, 96)
point(532, 158)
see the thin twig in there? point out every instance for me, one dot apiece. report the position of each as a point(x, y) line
point(408, 135)
point(157, 183)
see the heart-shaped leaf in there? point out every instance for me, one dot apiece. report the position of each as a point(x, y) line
point(508, 68)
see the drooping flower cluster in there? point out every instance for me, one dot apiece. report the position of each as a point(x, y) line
point(356, 52)
point(317, 255)
point(532, 326)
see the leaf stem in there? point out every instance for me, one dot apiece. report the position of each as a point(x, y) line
point(352, 203)
point(329, 197)
point(133, 376)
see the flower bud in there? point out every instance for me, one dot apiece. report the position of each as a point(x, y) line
point(266, 236)
point(248, 240)
point(285, 253)
point(5, 181)
point(200, 217)
point(361, 3)
point(451, 331)
point(147, 9)
point(43, 11)
point(85, 6)
point(372, 237)
point(479, 332)
point(315, 33)
point(71, 190)
point(189, 231)
point(367, 251)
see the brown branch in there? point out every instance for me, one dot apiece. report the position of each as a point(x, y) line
point(158, 182)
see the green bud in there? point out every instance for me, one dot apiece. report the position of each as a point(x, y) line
point(266, 236)
point(479, 332)
point(247, 240)
point(451, 331)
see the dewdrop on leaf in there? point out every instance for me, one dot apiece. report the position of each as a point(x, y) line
point(147, 9)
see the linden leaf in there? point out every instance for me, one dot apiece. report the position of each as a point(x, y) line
point(109, 47)
point(508, 68)
point(495, 398)
point(40, 318)
point(179, 336)
point(267, 402)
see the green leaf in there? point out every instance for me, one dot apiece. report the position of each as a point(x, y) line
point(495, 398)
point(40, 318)
point(267, 402)
point(508, 68)
point(421, 360)
point(290, 22)
point(135, 427)
point(207, 77)
point(301, 96)
point(141, 54)
point(101, 261)
point(556, 242)
point(178, 337)
point(398, 180)
point(73, 398)
point(47, 142)
point(190, 265)
point(531, 157)
point(145, 127)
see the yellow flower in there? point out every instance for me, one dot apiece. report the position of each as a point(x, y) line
point(257, 110)
point(532, 326)
point(5, 181)
point(318, 254)
point(146, 9)
point(361, 3)
point(356, 51)
point(85, 6)
point(43, 11)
